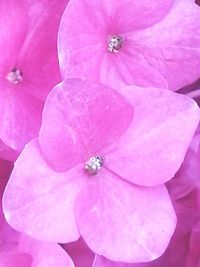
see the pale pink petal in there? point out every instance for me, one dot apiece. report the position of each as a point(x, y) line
point(45, 254)
point(81, 255)
point(38, 59)
point(13, 21)
point(154, 146)
point(172, 46)
point(17, 259)
point(40, 202)
point(20, 116)
point(79, 119)
point(124, 222)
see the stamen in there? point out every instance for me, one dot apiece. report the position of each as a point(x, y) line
point(114, 44)
point(93, 165)
point(15, 76)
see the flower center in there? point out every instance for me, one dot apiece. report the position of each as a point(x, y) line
point(114, 44)
point(15, 76)
point(93, 165)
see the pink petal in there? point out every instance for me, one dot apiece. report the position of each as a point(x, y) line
point(38, 59)
point(79, 119)
point(124, 222)
point(45, 254)
point(188, 176)
point(20, 116)
point(154, 146)
point(16, 259)
point(177, 55)
point(13, 21)
point(40, 202)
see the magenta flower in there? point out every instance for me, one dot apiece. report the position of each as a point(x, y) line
point(147, 43)
point(99, 169)
point(28, 66)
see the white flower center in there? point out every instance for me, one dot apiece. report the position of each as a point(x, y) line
point(114, 44)
point(15, 76)
point(93, 165)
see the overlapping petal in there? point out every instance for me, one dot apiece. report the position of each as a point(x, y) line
point(13, 20)
point(79, 119)
point(137, 221)
point(45, 254)
point(172, 46)
point(38, 57)
point(15, 260)
point(20, 116)
point(160, 37)
point(154, 146)
point(39, 201)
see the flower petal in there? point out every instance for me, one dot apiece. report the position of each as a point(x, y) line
point(124, 222)
point(13, 21)
point(79, 118)
point(40, 202)
point(172, 46)
point(154, 146)
point(45, 254)
point(20, 116)
point(38, 59)
point(16, 259)
point(82, 47)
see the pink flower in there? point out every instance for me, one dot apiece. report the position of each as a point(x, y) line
point(147, 43)
point(99, 169)
point(28, 65)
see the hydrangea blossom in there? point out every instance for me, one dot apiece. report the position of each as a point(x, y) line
point(148, 43)
point(28, 66)
point(99, 169)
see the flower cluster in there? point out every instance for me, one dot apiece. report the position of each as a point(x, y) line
point(99, 133)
